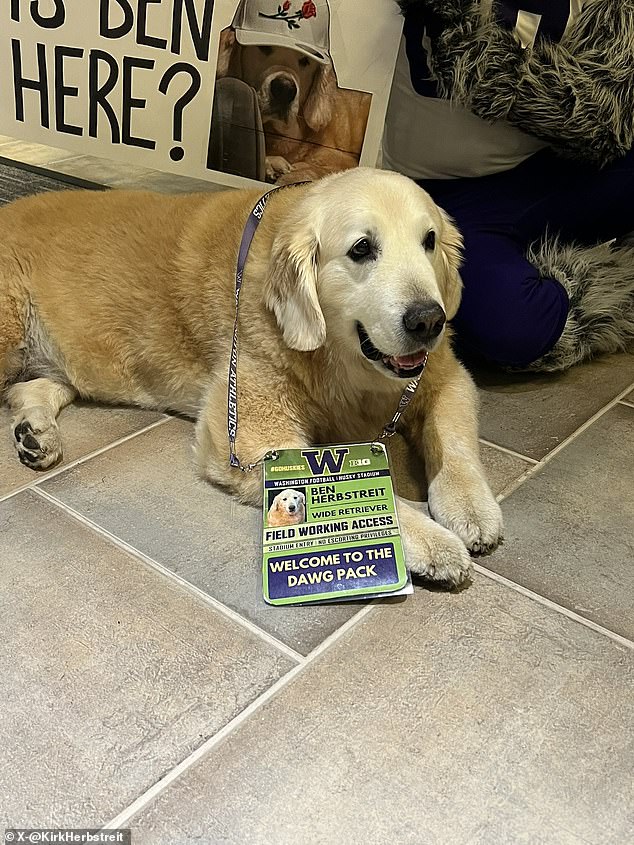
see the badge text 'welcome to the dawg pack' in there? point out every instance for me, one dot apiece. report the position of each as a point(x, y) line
point(330, 525)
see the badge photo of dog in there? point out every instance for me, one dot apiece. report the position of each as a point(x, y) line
point(275, 73)
point(287, 508)
point(128, 297)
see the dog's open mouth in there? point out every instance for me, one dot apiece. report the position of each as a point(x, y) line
point(403, 366)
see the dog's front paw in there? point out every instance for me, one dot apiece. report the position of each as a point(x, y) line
point(37, 439)
point(276, 167)
point(469, 510)
point(435, 554)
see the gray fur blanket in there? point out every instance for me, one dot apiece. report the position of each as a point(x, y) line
point(577, 95)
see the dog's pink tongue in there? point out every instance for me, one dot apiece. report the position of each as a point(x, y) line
point(408, 362)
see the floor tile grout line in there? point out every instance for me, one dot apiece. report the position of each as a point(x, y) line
point(513, 485)
point(554, 606)
point(174, 578)
point(126, 815)
point(506, 451)
point(40, 479)
point(533, 470)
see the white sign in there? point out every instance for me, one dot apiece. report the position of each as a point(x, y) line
point(275, 90)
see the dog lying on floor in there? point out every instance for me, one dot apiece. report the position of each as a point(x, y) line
point(128, 297)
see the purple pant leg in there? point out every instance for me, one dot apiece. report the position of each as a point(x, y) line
point(508, 314)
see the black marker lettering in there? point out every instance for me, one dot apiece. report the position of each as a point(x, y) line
point(40, 84)
point(130, 102)
point(56, 20)
point(98, 94)
point(53, 22)
point(141, 35)
point(108, 31)
point(199, 33)
point(62, 91)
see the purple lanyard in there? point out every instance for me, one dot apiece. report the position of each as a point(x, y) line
point(245, 244)
point(406, 398)
point(248, 234)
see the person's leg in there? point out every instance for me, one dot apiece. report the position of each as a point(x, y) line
point(509, 314)
point(545, 193)
point(559, 304)
point(583, 204)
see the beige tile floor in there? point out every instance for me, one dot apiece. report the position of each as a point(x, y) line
point(145, 685)
point(105, 172)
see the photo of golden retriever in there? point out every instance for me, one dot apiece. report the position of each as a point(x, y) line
point(128, 297)
point(287, 508)
point(312, 127)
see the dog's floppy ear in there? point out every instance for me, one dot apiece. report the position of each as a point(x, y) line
point(319, 104)
point(451, 246)
point(291, 286)
point(228, 55)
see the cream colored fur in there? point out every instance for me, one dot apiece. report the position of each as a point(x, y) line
point(127, 297)
point(287, 508)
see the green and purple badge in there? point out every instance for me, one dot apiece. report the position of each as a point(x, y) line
point(330, 525)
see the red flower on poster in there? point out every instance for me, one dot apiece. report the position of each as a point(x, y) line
point(308, 10)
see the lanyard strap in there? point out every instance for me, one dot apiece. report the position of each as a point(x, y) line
point(406, 398)
point(232, 417)
point(248, 234)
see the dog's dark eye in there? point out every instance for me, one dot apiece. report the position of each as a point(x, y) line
point(430, 240)
point(266, 50)
point(304, 61)
point(362, 249)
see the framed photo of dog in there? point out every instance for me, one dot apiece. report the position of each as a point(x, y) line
point(232, 91)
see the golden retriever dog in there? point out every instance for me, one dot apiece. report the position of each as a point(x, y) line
point(287, 508)
point(129, 297)
point(312, 127)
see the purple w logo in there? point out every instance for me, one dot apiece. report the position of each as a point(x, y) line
point(318, 463)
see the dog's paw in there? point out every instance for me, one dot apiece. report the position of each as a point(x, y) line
point(37, 441)
point(469, 511)
point(276, 167)
point(439, 556)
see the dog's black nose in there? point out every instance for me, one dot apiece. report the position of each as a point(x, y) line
point(283, 90)
point(292, 508)
point(424, 321)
